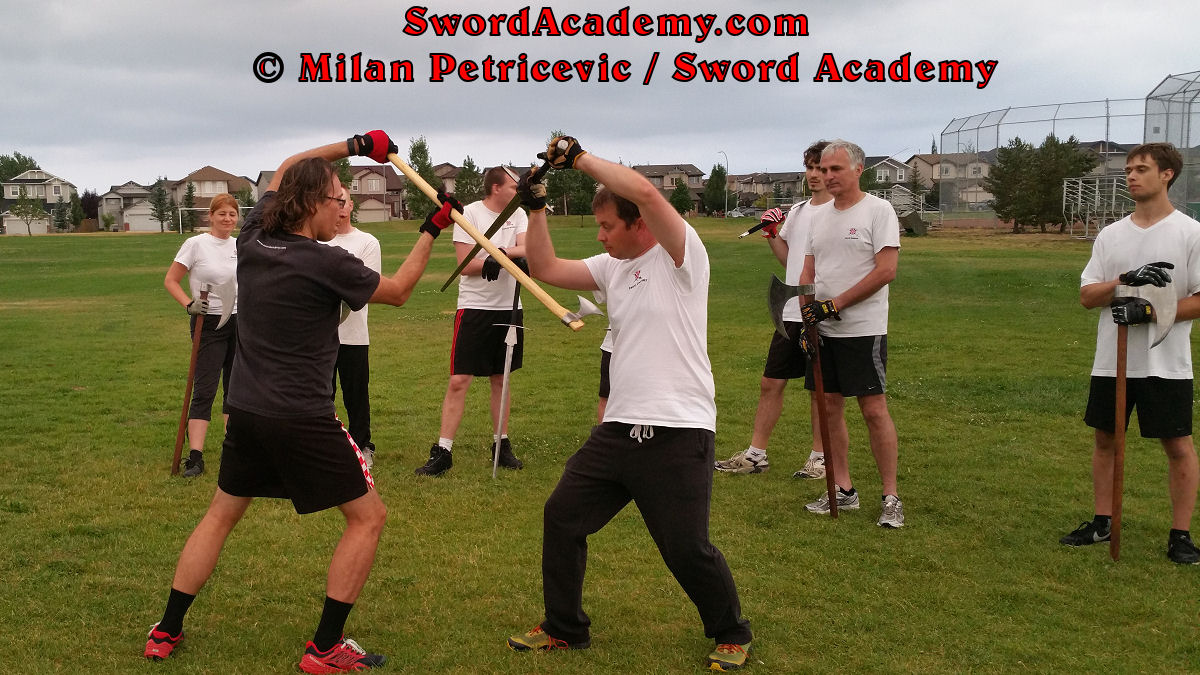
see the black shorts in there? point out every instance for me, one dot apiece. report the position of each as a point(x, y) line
point(785, 359)
point(1164, 406)
point(605, 359)
point(478, 347)
point(309, 460)
point(853, 366)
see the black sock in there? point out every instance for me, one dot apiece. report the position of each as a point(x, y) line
point(1102, 522)
point(177, 605)
point(1177, 534)
point(847, 492)
point(194, 455)
point(333, 623)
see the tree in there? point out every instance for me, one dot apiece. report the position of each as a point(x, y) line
point(187, 216)
point(715, 191)
point(15, 164)
point(1026, 182)
point(60, 215)
point(345, 172)
point(468, 187)
point(776, 194)
point(932, 145)
point(244, 197)
point(868, 182)
point(91, 203)
point(76, 210)
point(162, 205)
point(681, 197)
point(418, 159)
point(108, 222)
point(28, 210)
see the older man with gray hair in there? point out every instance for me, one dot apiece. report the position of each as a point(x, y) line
point(852, 253)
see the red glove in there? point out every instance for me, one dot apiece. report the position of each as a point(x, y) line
point(772, 218)
point(438, 220)
point(373, 144)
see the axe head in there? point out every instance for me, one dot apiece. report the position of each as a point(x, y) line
point(227, 292)
point(778, 294)
point(1163, 301)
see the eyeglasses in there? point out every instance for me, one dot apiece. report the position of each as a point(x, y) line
point(341, 202)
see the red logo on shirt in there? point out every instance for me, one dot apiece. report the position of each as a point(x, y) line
point(638, 279)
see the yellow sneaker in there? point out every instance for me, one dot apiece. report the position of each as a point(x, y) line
point(538, 640)
point(729, 656)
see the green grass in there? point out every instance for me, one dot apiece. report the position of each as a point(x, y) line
point(989, 356)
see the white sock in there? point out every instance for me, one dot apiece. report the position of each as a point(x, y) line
point(755, 454)
point(818, 455)
point(446, 443)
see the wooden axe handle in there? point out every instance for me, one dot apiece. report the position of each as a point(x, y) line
point(522, 278)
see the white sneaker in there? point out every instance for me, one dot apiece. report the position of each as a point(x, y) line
point(846, 502)
point(893, 512)
point(740, 463)
point(813, 468)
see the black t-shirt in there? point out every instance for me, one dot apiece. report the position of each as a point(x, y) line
point(290, 290)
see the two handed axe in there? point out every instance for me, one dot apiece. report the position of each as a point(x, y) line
point(572, 319)
point(1163, 301)
point(778, 294)
point(227, 292)
point(508, 210)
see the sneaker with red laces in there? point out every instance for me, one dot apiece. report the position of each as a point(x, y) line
point(159, 644)
point(729, 656)
point(538, 640)
point(344, 657)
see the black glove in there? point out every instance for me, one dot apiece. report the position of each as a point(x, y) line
point(197, 307)
point(1150, 273)
point(454, 203)
point(373, 144)
point(818, 311)
point(491, 267)
point(1131, 311)
point(533, 195)
point(562, 152)
point(437, 220)
point(522, 263)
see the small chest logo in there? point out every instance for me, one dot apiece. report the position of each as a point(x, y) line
point(638, 279)
point(852, 233)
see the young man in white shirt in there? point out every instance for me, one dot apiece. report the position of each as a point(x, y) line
point(786, 358)
point(655, 445)
point(353, 363)
point(1155, 244)
point(485, 308)
point(852, 253)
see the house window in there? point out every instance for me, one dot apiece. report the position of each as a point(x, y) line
point(41, 190)
point(977, 171)
point(881, 175)
point(354, 185)
point(373, 185)
point(14, 191)
point(900, 174)
point(946, 171)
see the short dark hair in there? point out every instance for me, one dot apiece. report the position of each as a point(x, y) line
point(301, 191)
point(493, 177)
point(1165, 156)
point(627, 211)
point(813, 154)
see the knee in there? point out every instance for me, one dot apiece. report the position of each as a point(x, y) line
point(459, 384)
point(769, 386)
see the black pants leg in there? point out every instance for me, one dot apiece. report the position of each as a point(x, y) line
point(354, 369)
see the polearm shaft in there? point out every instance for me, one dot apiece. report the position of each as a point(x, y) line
point(522, 278)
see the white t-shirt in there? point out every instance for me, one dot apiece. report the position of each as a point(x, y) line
point(475, 292)
point(795, 232)
point(843, 245)
point(365, 247)
point(1123, 246)
point(660, 372)
point(606, 344)
point(209, 260)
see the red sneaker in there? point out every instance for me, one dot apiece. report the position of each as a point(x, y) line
point(159, 645)
point(344, 657)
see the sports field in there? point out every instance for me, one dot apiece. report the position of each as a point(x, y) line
point(989, 355)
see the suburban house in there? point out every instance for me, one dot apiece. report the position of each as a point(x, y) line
point(40, 185)
point(379, 192)
point(1110, 154)
point(663, 177)
point(886, 171)
point(745, 189)
point(209, 182)
point(960, 175)
point(129, 205)
point(449, 174)
point(260, 185)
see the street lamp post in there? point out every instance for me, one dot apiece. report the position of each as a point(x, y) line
point(725, 214)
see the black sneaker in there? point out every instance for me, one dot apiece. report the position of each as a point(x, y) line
point(1086, 534)
point(194, 465)
point(1180, 549)
point(438, 464)
point(507, 459)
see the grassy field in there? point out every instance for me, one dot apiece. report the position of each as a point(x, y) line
point(989, 356)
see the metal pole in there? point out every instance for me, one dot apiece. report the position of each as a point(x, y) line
point(725, 214)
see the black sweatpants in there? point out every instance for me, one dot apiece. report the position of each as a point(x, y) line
point(214, 362)
point(669, 477)
point(354, 369)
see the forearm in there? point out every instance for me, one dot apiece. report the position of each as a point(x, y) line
point(864, 289)
point(1098, 294)
point(396, 290)
point(538, 248)
point(1188, 308)
point(331, 152)
point(780, 248)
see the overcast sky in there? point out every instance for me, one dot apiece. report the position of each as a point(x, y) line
point(104, 92)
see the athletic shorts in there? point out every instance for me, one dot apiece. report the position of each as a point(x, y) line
point(1164, 406)
point(852, 366)
point(478, 347)
point(785, 358)
point(605, 360)
point(309, 460)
